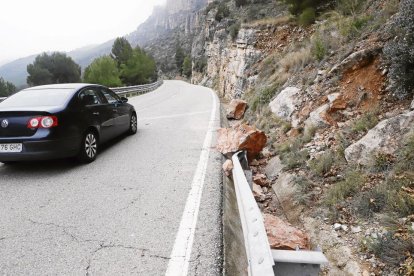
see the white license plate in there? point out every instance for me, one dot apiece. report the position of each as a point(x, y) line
point(6, 148)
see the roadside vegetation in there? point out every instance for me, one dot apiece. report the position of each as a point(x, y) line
point(381, 193)
point(53, 68)
point(6, 88)
point(125, 66)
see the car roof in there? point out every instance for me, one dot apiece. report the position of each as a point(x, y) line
point(72, 86)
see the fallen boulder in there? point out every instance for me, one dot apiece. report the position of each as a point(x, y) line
point(274, 167)
point(236, 109)
point(284, 104)
point(284, 236)
point(261, 180)
point(258, 193)
point(241, 137)
point(317, 118)
point(386, 138)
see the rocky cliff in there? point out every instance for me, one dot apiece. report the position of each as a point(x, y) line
point(335, 99)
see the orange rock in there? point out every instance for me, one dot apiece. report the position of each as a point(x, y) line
point(241, 137)
point(338, 104)
point(261, 180)
point(284, 236)
point(236, 109)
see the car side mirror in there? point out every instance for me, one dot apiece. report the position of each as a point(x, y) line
point(124, 100)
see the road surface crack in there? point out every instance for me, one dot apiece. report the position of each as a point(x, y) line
point(103, 246)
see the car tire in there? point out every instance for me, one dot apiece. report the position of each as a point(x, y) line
point(89, 147)
point(133, 124)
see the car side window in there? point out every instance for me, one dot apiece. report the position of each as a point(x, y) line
point(110, 96)
point(89, 97)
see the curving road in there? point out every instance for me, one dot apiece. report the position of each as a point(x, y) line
point(149, 205)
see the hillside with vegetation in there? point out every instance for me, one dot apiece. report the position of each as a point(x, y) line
point(331, 84)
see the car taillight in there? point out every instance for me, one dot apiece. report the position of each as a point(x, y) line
point(43, 122)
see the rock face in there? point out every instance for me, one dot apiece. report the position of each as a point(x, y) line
point(317, 118)
point(283, 236)
point(284, 187)
point(274, 167)
point(241, 137)
point(284, 104)
point(236, 109)
point(229, 63)
point(386, 137)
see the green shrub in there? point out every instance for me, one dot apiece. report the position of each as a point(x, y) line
point(323, 164)
point(365, 123)
point(405, 159)
point(222, 12)
point(318, 49)
point(6, 88)
point(307, 17)
point(200, 64)
point(354, 179)
point(390, 249)
point(400, 52)
point(350, 7)
point(234, 30)
point(240, 3)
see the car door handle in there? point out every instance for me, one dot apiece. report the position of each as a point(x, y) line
point(96, 113)
point(115, 110)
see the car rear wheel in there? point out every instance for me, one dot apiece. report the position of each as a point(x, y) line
point(133, 124)
point(89, 147)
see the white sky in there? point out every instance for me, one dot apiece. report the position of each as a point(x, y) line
point(32, 26)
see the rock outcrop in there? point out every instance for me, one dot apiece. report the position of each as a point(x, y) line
point(284, 236)
point(241, 137)
point(285, 103)
point(385, 138)
point(236, 109)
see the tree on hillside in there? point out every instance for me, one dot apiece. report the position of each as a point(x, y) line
point(6, 88)
point(139, 69)
point(121, 50)
point(306, 11)
point(53, 68)
point(187, 67)
point(104, 71)
point(179, 58)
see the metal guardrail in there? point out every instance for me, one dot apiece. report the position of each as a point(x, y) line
point(261, 259)
point(130, 91)
point(258, 251)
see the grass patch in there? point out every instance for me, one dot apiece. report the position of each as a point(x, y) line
point(390, 249)
point(365, 122)
point(272, 21)
point(322, 164)
point(353, 181)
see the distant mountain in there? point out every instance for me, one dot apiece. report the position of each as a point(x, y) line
point(16, 72)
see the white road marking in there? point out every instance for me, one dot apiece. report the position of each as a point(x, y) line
point(181, 253)
point(173, 116)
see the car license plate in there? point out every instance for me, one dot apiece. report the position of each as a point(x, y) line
point(10, 148)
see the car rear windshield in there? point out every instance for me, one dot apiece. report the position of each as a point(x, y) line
point(43, 97)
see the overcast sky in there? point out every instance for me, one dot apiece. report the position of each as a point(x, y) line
point(32, 26)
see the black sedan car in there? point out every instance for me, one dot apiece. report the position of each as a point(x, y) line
point(62, 120)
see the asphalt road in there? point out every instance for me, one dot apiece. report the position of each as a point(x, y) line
point(121, 215)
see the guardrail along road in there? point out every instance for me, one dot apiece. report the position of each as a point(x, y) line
point(149, 205)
